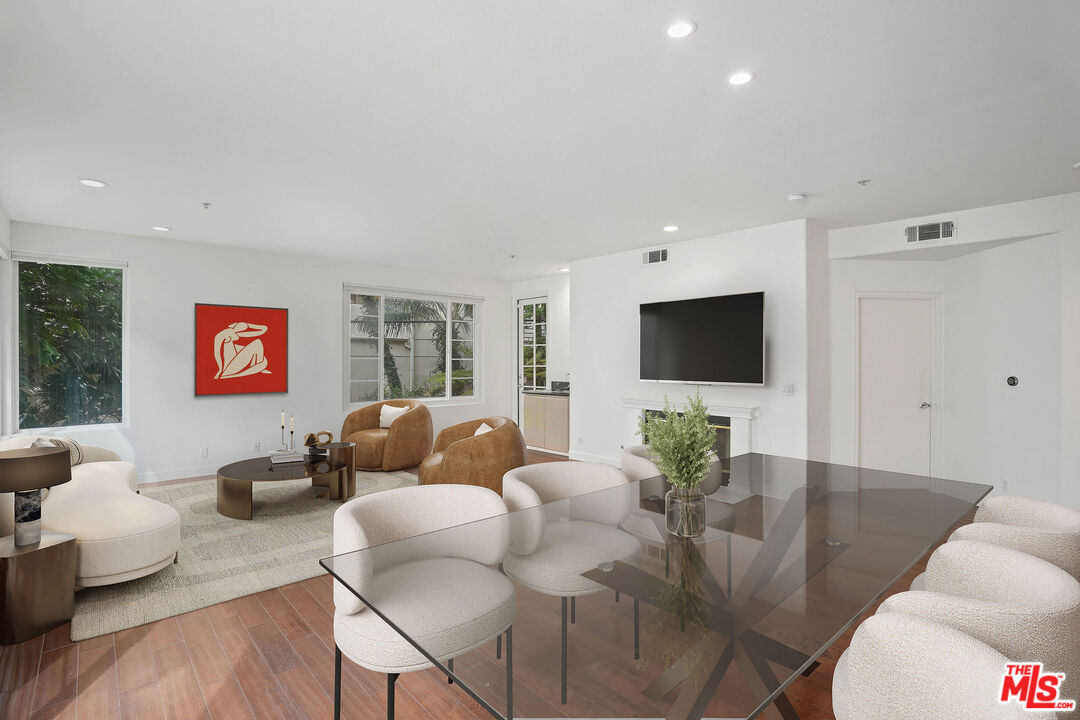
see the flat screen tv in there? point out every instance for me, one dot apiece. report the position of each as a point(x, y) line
point(718, 340)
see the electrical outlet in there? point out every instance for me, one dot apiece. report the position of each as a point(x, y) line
point(787, 389)
point(256, 447)
point(580, 440)
point(204, 452)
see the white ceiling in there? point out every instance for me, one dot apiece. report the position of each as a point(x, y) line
point(449, 135)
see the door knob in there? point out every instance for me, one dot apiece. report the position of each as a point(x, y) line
point(924, 406)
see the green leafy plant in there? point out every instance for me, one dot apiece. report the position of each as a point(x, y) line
point(682, 444)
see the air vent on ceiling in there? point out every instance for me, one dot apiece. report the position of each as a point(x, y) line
point(652, 257)
point(931, 231)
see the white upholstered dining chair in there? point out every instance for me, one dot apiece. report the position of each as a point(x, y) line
point(553, 545)
point(905, 666)
point(433, 580)
point(1024, 607)
point(1042, 529)
point(637, 463)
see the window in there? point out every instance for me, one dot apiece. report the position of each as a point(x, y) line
point(70, 324)
point(534, 345)
point(409, 346)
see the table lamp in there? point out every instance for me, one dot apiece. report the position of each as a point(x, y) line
point(25, 472)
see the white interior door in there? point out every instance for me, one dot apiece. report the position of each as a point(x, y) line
point(896, 364)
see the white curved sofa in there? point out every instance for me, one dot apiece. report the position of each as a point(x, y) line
point(120, 535)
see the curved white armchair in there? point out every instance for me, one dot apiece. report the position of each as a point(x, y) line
point(903, 666)
point(637, 463)
point(553, 545)
point(1024, 607)
point(428, 583)
point(1042, 529)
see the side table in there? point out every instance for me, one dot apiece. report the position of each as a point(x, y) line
point(37, 586)
point(343, 454)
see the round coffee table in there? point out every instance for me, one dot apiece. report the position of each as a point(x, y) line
point(234, 480)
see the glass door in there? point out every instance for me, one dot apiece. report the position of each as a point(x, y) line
point(532, 350)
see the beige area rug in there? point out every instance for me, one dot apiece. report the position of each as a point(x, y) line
point(222, 558)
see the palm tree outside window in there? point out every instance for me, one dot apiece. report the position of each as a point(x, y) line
point(409, 347)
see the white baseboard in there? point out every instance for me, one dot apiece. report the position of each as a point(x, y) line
point(589, 457)
point(152, 476)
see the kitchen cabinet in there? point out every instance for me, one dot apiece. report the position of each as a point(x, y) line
point(547, 421)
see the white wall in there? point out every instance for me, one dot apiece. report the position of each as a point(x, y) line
point(1070, 360)
point(997, 222)
point(1008, 309)
point(6, 357)
point(1002, 318)
point(167, 425)
point(605, 293)
point(818, 347)
point(5, 233)
point(556, 288)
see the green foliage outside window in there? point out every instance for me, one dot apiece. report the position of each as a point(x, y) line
point(70, 345)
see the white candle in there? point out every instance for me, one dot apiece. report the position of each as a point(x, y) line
point(283, 417)
point(292, 422)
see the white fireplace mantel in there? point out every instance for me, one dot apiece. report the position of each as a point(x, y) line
point(742, 421)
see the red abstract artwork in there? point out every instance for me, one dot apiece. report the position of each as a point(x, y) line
point(241, 349)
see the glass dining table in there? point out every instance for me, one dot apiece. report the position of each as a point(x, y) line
point(633, 622)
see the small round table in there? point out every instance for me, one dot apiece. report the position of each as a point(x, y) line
point(234, 480)
point(343, 453)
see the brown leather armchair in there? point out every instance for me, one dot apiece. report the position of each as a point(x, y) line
point(462, 458)
point(404, 444)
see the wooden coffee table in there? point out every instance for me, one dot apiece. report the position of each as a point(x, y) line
point(234, 481)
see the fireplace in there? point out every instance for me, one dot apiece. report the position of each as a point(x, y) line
point(722, 447)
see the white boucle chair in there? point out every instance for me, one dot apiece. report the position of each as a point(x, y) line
point(637, 463)
point(904, 666)
point(553, 545)
point(433, 579)
point(1024, 607)
point(119, 534)
point(1042, 529)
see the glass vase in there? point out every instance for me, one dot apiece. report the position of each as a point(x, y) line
point(685, 512)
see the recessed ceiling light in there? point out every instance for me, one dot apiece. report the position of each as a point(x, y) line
point(741, 77)
point(1076, 166)
point(564, 269)
point(796, 197)
point(91, 182)
point(671, 228)
point(161, 228)
point(681, 28)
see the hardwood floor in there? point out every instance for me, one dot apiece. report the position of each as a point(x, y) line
point(268, 655)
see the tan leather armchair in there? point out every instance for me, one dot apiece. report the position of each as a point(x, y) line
point(462, 458)
point(404, 444)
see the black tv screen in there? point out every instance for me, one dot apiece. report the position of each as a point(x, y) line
point(705, 340)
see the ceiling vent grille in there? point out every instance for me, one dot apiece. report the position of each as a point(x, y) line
point(653, 257)
point(931, 231)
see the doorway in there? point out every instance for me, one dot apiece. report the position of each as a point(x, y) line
point(897, 382)
point(532, 350)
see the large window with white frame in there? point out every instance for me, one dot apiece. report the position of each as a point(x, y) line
point(407, 345)
point(70, 327)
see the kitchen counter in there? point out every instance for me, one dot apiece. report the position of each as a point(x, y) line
point(551, 393)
